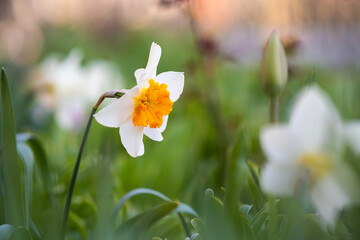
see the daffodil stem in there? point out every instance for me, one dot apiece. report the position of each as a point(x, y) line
point(110, 94)
point(273, 118)
point(74, 175)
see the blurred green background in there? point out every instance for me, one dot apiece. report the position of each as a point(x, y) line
point(217, 100)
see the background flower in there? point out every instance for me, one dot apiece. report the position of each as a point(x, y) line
point(309, 151)
point(70, 89)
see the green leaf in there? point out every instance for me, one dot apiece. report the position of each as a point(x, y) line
point(235, 171)
point(351, 217)
point(27, 158)
point(78, 223)
point(199, 227)
point(245, 209)
point(195, 236)
point(41, 160)
point(34, 230)
point(136, 192)
point(259, 221)
point(260, 218)
point(182, 207)
point(14, 190)
point(252, 188)
point(245, 230)
point(238, 225)
point(214, 217)
point(2, 191)
point(132, 228)
point(212, 201)
point(8, 231)
point(314, 230)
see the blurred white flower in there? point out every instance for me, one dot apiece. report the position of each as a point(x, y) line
point(144, 109)
point(101, 75)
point(70, 89)
point(309, 150)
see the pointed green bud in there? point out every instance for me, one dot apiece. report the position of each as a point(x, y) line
point(274, 69)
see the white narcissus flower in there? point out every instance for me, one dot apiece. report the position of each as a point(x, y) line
point(144, 109)
point(309, 150)
point(70, 89)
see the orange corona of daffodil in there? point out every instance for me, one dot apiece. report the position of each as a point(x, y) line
point(152, 104)
point(144, 109)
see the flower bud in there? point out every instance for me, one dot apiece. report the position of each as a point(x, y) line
point(274, 69)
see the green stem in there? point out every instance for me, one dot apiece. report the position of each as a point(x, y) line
point(185, 226)
point(274, 105)
point(272, 218)
point(74, 175)
point(110, 94)
point(273, 118)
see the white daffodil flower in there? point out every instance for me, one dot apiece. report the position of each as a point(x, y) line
point(70, 89)
point(309, 150)
point(144, 109)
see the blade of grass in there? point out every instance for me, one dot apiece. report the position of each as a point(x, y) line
point(11, 165)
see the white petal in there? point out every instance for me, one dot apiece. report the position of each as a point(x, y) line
point(153, 133)
point(279, 179)
point(352, 136)
point(328, 198)
point(140, 75)
point(277, 144)
point(164, 123)
point(154, 58)
point(174, 82)
point(315, 122)
point(132, 138)
point(116, 113)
